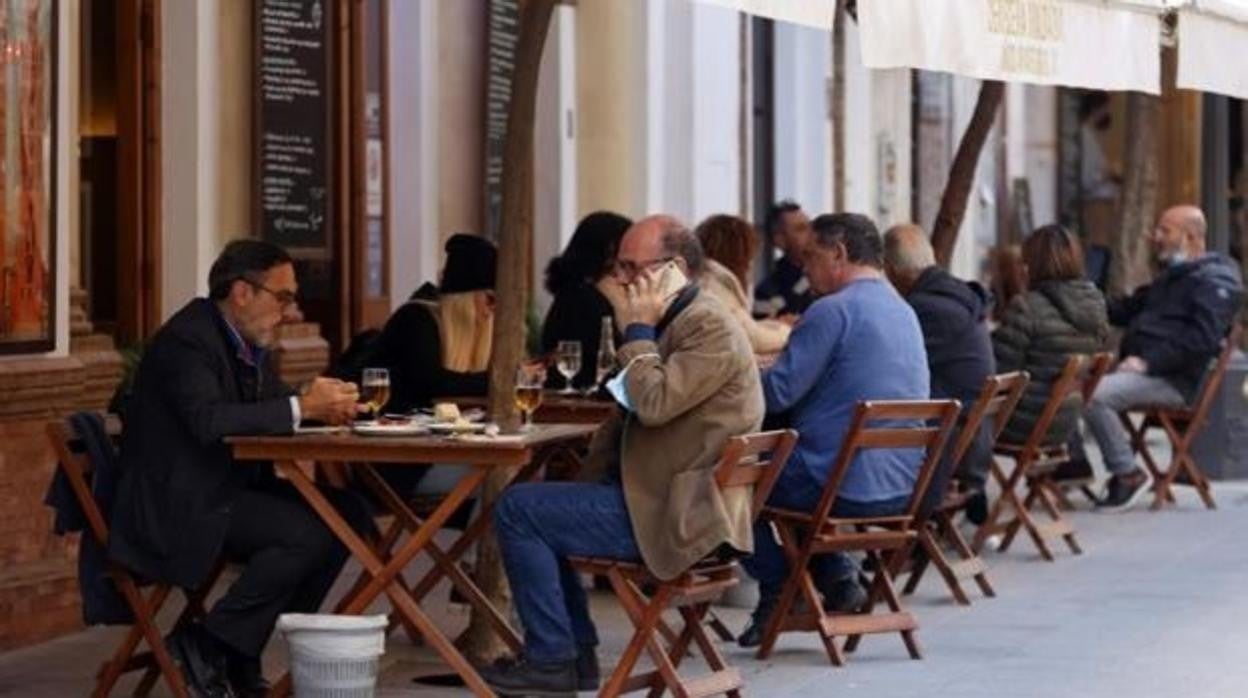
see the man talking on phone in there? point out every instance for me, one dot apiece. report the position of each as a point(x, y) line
point(687, 384)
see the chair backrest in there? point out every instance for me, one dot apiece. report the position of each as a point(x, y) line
point(996, 402)
point(74, 461)
point(755, 460)
point(1213, 379)
point(1069, 382)
point(1097, 367)
point(933, 421)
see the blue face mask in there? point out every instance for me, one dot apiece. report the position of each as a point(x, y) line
point(619, 390)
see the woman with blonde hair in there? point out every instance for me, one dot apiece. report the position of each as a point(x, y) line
point(438, 344)
point(730, 244)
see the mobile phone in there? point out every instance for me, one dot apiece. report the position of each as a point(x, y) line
point(671, 280)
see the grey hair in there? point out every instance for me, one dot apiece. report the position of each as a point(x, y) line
point(907, 248)
point(679, 241)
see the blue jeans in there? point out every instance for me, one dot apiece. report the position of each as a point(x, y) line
point(798, 491)
point(539, 525)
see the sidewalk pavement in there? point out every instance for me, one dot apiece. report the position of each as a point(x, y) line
point(1157, 606)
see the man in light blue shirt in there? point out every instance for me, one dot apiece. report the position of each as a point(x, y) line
point(859, 341)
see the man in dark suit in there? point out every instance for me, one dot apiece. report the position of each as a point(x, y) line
point(183, 503)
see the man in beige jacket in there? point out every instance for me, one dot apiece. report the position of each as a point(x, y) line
point(688, 383)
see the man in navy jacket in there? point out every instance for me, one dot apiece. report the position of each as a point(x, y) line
point(953, 314)
point(1174, 327)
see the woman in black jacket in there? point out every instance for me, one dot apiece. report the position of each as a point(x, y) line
point(578, 308)
point(439, 345)
point(1060, 315)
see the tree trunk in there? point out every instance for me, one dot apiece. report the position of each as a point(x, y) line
point(1128, 266)
point(515, 240)
point(838, 106)
point(962, 173)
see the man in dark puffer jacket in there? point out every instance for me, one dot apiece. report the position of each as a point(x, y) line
point(953, 316)
point(1174, 327)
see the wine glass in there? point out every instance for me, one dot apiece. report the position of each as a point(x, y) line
point(568, 361)
point(529, 381)
point(375, 389)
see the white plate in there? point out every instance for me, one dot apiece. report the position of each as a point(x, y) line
point(368, 429)
point(320, 430)
point(456, 427)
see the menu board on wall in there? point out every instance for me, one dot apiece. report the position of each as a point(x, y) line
point(503, 36)
point(292, 137)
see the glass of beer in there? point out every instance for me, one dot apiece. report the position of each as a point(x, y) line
point(568, 361)
point(375, 390)
point(529, 381)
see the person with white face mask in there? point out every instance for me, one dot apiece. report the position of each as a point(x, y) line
point(1174, 327)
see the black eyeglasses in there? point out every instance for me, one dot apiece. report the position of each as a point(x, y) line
point(629, 268)
point(284, 298)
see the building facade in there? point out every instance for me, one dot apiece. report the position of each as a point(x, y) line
point(644, 106)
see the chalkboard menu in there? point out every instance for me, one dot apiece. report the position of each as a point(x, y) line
point(503, 35)
point(292, 129)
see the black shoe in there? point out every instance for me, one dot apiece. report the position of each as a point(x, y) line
point(526, 678)
point(977, 507)
point(588, 675)
point(202, 665)
point(1123, 491)
point(1073, 471)
point(752, 636)
point(247, 677)
point(843, 595)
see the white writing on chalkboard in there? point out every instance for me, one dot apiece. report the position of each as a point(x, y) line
point(293, 121)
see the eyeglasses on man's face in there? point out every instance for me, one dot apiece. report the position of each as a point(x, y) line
point(631, 269)
point(285, 298)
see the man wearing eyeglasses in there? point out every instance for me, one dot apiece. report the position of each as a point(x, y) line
point(688, 382)
point(183, 504)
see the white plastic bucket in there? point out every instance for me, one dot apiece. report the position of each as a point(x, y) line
point(334, 656)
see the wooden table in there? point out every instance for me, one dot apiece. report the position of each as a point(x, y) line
point(383, 566)
point(556, 408)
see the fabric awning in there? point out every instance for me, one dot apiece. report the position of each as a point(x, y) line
point(811, 13)
point(1213, 46)
point(1096, 44)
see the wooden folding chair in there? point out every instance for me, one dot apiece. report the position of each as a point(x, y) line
point(748, 461)
point(1034, 463)
point(1182, 425)
point(1101, 363)
point(156, 661)
point(937, 531)
point(886, 540)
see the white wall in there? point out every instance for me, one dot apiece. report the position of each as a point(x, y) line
point(891, 152)
point(555, 190)
point(979, 227)
point(1040, 151)
point(877, 127)
point(190, 155)
point(412, 122)
point(802, 130)
point(716, 122)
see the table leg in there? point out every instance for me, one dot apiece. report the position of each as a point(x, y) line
point(384, 572)
point(445, 562)
point(479, 524)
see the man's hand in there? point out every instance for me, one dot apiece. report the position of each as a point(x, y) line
point(614, 292)
point(1133, 364)
point(330, 400)
point(645, 301)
